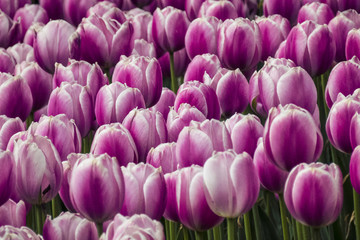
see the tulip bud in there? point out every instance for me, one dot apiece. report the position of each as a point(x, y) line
point(192, 8)
point(344, 5)
point(208, 63)
point(164, 156)
point(11, 6)
point(286, 8)
point(21, 52)
point(352, 44)
point(23, 233)
point(222, 10)
point(141, 22)
point(165, 102)
point(354, 169)
point(12, 213)
point(10, 32)
point(7, 177)
point(54, 8)
point(179, 4)
point(8, 127)
point(107, 10)
point(171, 211)
point(30, 34)
point(76, 10)
point(7, 62)
point(320, 13)
point(143, 48)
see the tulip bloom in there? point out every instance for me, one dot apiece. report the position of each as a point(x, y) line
point(8, 127)
point(164, 156)
point(196, 69)
point(23, 233)
point(12, 213)
point(7, 176)
point(21, 52)
point(165, 102)
point(171, 211)
point(222, 10)
point(7, 62)
point(352, 44)
point(286, 8)
point(11, 6)
point(354, 169)
point(10, 30)
point(320, 13)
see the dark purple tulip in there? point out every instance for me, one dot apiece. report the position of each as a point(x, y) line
point(164, 156)
point(239, 44)
point(274, 30)
point(179, 4)
point(115, 140)
point(69, 226)
point(7, 176)
point(23, 233)
point(291, 137)
point(236, 186)
point(352, 44)
point(145, 190)
point(46, 52)
point(199, 95)
point(16, 99)
point(332, 3)
point(192, 8)
point(115, 101)
point(21, 52)
point(190, 195)
point(38, 168)
point(181, 118)
point(62, 132)
point(143, 48)
point(80, 72)
point(313, 193)
point(30, 34)
point(39, 113)
point(201, 37)
point(7, 62)
point(271, 177)
point(143, 73)
point(171, 211)
point(220, 9)
point(245, 130)
point(12, 213)
point(8, 127)
point(147, 128)
point(165, 102)
point(354, 169)
point(286, 8)
point(107, 10)
point(169, 27)
point(355, 130)
point(38, 80)
point(320, 13)
point(11, 6)
point(348, 4)
point(340, 26)
point(75, 102)
point(29, 14)
point(181, 61)
point(208, 63)
point(75, 10)
point(54, 8)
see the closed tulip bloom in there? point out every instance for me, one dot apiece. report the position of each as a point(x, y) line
point(8, 127)
point(220, 9)
point(179, 4)
point(333, 4)
point(143, 73)
point(313, 193)
point(181, 62)
point(76, 10)
point(169, 27)
point(354, 169)
point(355, 130)
point(274, 30)
point(280, 52)
point(352, 44)
point(143, 48)
point(199, 95)
point(164, 156)
point(239, 43)
point(16, 97)
point(97, 187)
point(11, 6)
point(10, 31)
point(142, 23)
point(320, 13)
point(192, 8)
point(107, 10)
point(30, 34)
point(286, 8)
point(54, 8)
point(190, 195)
point(75, 102)
point(346, 4)
point(38, 80)
point(12, 213)
point(165, 102)
point(38, 169)
point(199, 38)
point(271, 177)
point(208, 63)
point(291, 137)
point(171, 211)
point(62, 132)
point(69, 226)
point(23, 233)
point(147, 128)
point(7, 62)
point(231, 183)
point(115, 101)
point(21, 52)
point(7, 176)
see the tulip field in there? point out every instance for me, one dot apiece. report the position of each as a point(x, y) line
point(180, 119)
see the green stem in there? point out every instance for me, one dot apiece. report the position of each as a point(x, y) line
point(30, 219)
point(39, 219)
point(99, 227)
point(167, 229)
point(231, 223)
point(172, 228)
point(29, 119)
point(200, 235)
point(299, 231)
point(283, 210)
point(315, 233)
point(56, 206)
point(185, 233)
point(217, 232)
point(306, 233)
point(323, 86)
point(247, 226)
point(174, 84)
point(86, 143)
point(257, 222)
point(357, 214)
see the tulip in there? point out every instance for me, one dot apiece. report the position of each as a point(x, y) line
point(231, 183)
point(355, 130)
point(143, 73)
point(11, 6)
point(107, 10)
point(142, 23)
point(199, 38)
point(181, 62)
point(274, 30)
point(165, 102)
point(345, 4)
point(179, 4)
point(220, 9)
point(352, 44)
point(239, 44)
point(147, 128)
point(271, 177)
point(145, 190)
point(291, 137)
point(30, 34)
point(280, 52)
point(54, 8)
point(164, 156)
point(12, 213)
point(320, 13)
point(286, 8)
point(115, 101)
point(38, 169)
point(97, 187)
point(23, 233)
point(46, 54)
point(8, 127)
point(21, 52)
point(192, 8)
point(7, 177)
point(313, 193)
point(7, 62)
point(75, 102)
point(208, 63)
point(333, 4)
point(171, 211)
point(143, 48)
point(69, 226)
point(190, 195)
point(76, 10)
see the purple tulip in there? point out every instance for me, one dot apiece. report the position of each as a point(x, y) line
point(286, 8)
point(169, 27)
point(352, 44)
point(340, 26)
point(313, 193)
point(171, 210)
point(69, 226)
point(280, 52)
point(16, 99)
point(208, 63)
point(107, 10)
point(12, 213)
point(7, 176)
point(291, 137)
point(147, 128)
point(31, 33)
point(194, 211)
point(164, 156)
point(76, 10)
point(38, 169)
point(346, 4)
point(220, 9)
point(142, 23)
point(62, 132)
point(320, 13)
point(271, 177)
point(54, 8)
point(333, 4)
point(274, 30)
point(192, 8)
point(21, 52)
point(143, 73)
point(165, 102)
point(179, 4)
point(97, 187)
point(239, 43)
point(199, 95)
point(8, 127)
point(354, 169)
point(143, 48)
point(115, 101)
point(46, 54)
point(7, 62)
point(181, 62)
point(236, 186)
point(355, 130)
point(23, 233)
point(11, 6)
point(199, 38)
point(75, 102)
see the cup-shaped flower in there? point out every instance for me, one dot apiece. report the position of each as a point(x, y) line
point(166, 101)
point(318, 12)
point(291, 137)
point(31, 33)
point(192, 8)
point(11, 6)
point(352, 44)
point(344, 5)
point(12, 213)
point(97, 187)
point(23, 233)
point(354, 169)
point(180, 4)
point(355, 130)
point(7, 176)
point(164, 156)
point(286, 8)
point(8, 127)
point(76, 10)
point(69, 226)
point(10, 31)
point(208, 63)
point(171, 210)
point(21, 52)
point(54, 8)
point(108, 10)
point(7, 62)
point(222, 10)
point(142, 24)
point(313, 193)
